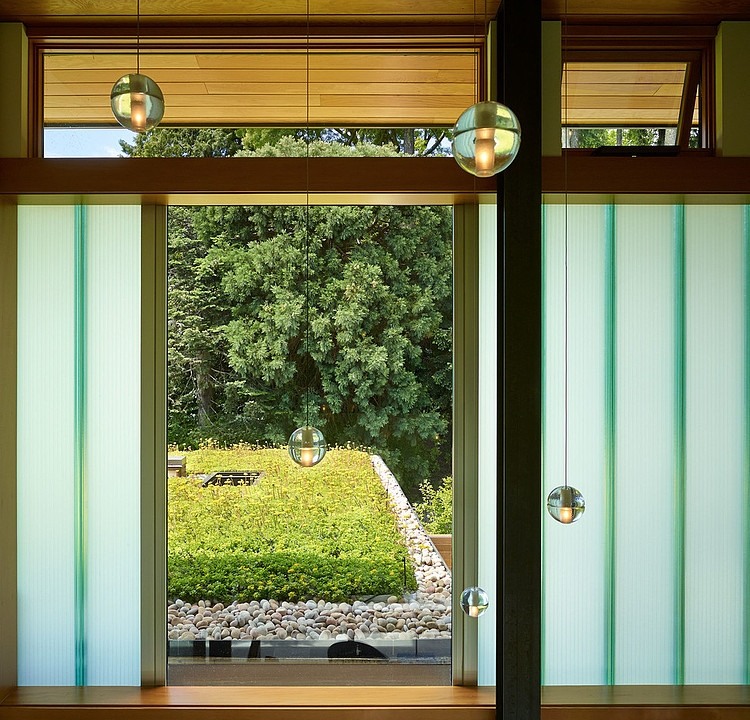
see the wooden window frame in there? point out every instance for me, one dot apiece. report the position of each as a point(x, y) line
point(85, 39)
point(692, 45)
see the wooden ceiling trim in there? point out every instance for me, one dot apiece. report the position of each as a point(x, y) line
point(260, 12)
point(646, 11)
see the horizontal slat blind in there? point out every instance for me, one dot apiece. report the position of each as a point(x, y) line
point(365, 88)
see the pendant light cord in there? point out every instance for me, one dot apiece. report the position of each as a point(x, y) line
point(565, 248)
point(476, 54)
point(138, 37)
point(307, 215)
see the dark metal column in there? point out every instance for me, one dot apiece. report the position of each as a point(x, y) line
point(519, 315)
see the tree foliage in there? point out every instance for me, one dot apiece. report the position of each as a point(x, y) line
point(435, 510)
point(604, 137)
point(337, 315)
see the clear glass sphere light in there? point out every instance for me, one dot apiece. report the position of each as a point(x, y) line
point(565, 504)
point(486, 138)
point(474, 601)
point(137, 102)
point(307, 446)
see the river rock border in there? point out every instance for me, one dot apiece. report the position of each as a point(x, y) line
point(424, 614)
point(432, 574)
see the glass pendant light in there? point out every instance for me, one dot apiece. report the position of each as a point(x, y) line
point(474, 601)
point(486, 136)
point(566, 504)
point(137, 101)
point(307, 446)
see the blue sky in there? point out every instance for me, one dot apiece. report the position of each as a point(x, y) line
point(80, 142)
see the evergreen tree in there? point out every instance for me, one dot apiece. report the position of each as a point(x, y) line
point(375, 369)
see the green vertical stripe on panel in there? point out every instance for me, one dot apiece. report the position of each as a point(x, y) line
point(746, 437)
point(543, 628)
point(79, 466)
point(679, 448)
point(609, 439)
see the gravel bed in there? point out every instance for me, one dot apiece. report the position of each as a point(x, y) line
point(423, 614)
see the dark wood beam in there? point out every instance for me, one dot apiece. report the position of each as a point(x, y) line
point(682, 174)
point(642, 12)
point(398, 180)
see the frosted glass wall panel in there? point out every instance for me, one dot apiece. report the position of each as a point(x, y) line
point(487, 512)
point(644, 562)
point(46, 641)
point(674, 567)
point(79, 445)
point(113, 443)
point(714, 511)
point(573, 637)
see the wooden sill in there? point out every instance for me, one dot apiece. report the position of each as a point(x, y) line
point(646, 702)
point(251, 703)
point(715, 702)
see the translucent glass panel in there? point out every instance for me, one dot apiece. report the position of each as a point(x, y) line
point(648, 586)
point(488, 471)
point(79, 445)
point(716, 442)
point(642, 624)
point(46, 240)
point(573, 629)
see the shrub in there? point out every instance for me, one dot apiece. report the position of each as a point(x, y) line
point(436, 509)
point(324, 532)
